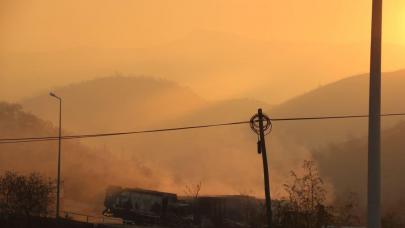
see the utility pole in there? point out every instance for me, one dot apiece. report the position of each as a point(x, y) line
point(59, 154)
point(261, 125)
point(374, 139)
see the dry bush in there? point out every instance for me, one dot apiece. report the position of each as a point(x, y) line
point(25, 195)
point(305, 205)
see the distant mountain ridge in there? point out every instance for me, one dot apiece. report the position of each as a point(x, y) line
point(348, 96)
point(116, 103)
point(225, 158)
point(345, 165)
point(206, 60)
point(127, 103)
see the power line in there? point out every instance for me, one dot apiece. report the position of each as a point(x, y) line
point(34, 139)
point(51, 138)
point(334, 117)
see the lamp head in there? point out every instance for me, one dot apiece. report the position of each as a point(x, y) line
point(54, 95)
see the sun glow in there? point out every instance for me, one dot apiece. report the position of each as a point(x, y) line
point(394, 22)
point(402, 28)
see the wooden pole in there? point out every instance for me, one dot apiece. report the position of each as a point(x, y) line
point(265, 170)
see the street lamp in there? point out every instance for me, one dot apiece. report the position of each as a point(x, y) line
point(59, 151)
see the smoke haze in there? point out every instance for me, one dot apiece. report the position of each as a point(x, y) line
point(132, 65)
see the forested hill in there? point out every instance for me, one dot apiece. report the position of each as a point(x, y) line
point(85, 172)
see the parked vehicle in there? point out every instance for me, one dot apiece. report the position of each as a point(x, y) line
point(148, 207)
point(143, 206)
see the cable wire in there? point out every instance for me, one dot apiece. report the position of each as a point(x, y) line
point(34, 139)
point(334, 117)
point(50, 138)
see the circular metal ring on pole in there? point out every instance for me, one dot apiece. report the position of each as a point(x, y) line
point(254, 124)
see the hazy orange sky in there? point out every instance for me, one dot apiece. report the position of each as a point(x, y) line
point(290, 32)
point(221, 49)
point(46, 24)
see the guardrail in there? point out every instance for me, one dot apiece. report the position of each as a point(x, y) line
point(91, 218)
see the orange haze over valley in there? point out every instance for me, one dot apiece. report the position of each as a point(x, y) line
point(133, 65)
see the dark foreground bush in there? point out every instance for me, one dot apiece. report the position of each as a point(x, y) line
point(40, 222)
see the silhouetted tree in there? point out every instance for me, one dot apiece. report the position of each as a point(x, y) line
point(306, 196)
point(25, 195)
point(193, 190)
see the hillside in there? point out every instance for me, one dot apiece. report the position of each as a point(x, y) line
point(85, 172)
point(116, 103)
point(221, 157)
point(208, 155)
point(345, 97)
point(345, 165)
